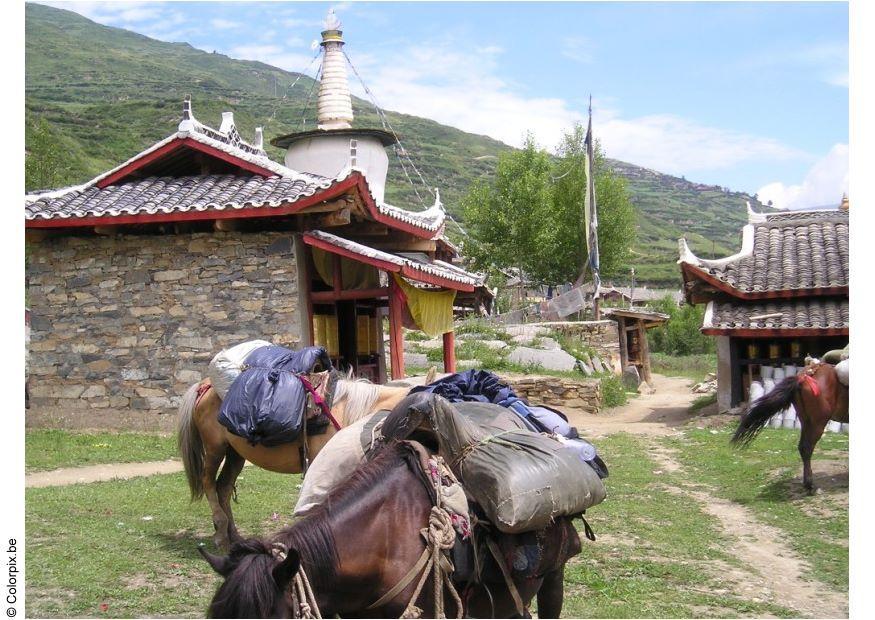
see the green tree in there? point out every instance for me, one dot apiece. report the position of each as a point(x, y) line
point(681, 335)
point(531, 215)
point(505, 217)
point(43, 162)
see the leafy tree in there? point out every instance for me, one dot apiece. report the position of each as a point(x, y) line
point(43, 162)
point(505, 217)
point(531, 215)
point(680, 335)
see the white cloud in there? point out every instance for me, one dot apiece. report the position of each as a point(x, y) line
point(578, 49)
point(276, 55)
point(679, 146)
point(222, 24)
point(823, 185)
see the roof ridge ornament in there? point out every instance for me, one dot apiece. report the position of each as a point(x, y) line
point(753, 217)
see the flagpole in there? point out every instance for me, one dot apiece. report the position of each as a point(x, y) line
point(591, 218)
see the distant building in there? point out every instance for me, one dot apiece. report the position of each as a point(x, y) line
point(782, 297)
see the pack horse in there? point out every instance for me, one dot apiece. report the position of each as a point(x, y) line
point(206, 445)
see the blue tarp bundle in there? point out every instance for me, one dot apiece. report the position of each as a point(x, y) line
point(266, 403)
point(484, 387)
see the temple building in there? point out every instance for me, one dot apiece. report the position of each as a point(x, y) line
point(783, 297)
point(138, 277)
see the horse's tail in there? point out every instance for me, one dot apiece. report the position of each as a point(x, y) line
point(763, 408)
point(190, 445)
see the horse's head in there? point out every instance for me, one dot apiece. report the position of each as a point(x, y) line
point(256, 581)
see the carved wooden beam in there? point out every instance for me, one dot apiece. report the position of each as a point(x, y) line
point(335, 218)
point(399, 245)
point(343, 202)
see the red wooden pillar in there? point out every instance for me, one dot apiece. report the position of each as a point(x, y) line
point(396, 336)
point(450, 352)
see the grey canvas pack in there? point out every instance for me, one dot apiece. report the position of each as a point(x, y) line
point(522, 480)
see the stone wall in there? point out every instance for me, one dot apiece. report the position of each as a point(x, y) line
point(127, 323)
point(601, 336)
point(559, 392)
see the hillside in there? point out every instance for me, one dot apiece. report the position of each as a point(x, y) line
point(107, 93)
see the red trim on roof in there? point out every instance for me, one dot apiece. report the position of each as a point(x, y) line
point(365, 193)
point(697, 272)
point(404, 270)
point(174, 145)
point(748, 332)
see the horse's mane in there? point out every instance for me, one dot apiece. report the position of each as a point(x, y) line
point(360, 395)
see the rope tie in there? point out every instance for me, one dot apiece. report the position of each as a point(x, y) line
point(440, 536)
point(302, 594)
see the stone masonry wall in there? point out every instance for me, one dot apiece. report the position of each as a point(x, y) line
point(127, 323)
point(559, 392)
point(601, 336)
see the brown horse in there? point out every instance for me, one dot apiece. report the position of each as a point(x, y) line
point(204, 443)
point(818, 396)
point(362, 542)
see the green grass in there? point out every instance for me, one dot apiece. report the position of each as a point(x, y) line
point(693, 367)
point(764, 478)
point(50, 449)
point(131, 545)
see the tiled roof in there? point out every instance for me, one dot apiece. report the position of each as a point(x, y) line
point(809, 313)
point(175, 194)
point(436, 268)
point(154, 195)
point(784, 252)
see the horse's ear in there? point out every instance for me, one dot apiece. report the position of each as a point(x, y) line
point(285, 571)
point(220, 564)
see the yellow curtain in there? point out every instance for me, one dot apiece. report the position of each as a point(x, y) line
point(355, 275)
point(432, 310)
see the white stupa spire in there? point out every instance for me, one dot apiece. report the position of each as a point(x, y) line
point(335, 105)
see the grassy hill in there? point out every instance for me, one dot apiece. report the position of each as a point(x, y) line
point(105, 94)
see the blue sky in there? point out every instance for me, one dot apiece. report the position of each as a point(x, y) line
point(752, 96)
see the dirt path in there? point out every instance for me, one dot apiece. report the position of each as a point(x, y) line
point(647, 414)
point(99, 473)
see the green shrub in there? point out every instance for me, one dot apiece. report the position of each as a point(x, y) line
point(680, 335)
point(613, 391)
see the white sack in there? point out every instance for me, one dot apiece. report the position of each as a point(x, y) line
point(226, 365)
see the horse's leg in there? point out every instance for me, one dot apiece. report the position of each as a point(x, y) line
point(812, 430)
point(220, 520)
point(551, 594)
point(225, 487)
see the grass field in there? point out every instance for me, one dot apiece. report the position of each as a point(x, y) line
point(50, 449)
point(693, 367)
point(128, 548)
